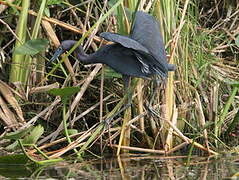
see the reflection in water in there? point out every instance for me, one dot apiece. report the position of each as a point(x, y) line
point(129, 168)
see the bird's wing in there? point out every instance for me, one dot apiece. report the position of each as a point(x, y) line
point(149, 65)
point(124, 41)
point(146, 31)
point(144, 66)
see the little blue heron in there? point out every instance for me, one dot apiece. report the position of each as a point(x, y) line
point(141, 54)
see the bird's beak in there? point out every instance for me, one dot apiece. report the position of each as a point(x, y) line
point(58, 52)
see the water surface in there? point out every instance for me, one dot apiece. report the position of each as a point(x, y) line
point(140, 167)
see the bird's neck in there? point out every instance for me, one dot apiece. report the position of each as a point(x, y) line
point(85, 58)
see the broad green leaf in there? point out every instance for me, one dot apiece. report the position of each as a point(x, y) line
point(65, 93)
point(12, 146)
point(14, 159)
point(17, 134)
point(32, 47)
point(34, 135)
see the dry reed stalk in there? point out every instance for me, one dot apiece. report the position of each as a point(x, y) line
point(121, 167)
point(140, 106)
point(213, 111)
point(7, 116)
point(170, 168)
point(47, 145)
point(169, 93)
point(76, 142)
point(125, 131)
point(201, 117)
point(190, 141)
point(44, 88)
point(62, 151)
point(101, 103)
point(139, 149)
point(176, 148)
point(170, 131)
point(6, 92)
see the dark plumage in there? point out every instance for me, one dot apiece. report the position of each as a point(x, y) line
point(141, 54)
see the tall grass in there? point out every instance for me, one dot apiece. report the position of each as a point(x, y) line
point(18, 67)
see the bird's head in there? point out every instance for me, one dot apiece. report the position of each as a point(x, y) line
point(65, 45)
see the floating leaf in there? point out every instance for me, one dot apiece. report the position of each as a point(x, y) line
point(65, 93)
point(32, 47)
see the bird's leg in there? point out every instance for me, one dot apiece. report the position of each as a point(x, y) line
point(126, 80)
point(127, 90)
point(149, 107)
point(152, 99)
point(108, 120)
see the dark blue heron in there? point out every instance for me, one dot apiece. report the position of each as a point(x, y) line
point(141, 54)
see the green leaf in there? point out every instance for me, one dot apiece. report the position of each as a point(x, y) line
point(110, 73)
point(12, 146)
point(111, 3)
point(72, 131)
point(233, 83)
point(65, 93)
point(14, 159)
point(15, 166)
point(237, 41)
point(53, 2)
point(207, 125)
point(34, 135)
point(17, 134)
point(32, 47)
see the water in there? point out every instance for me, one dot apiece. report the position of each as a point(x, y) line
point(132, 168)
